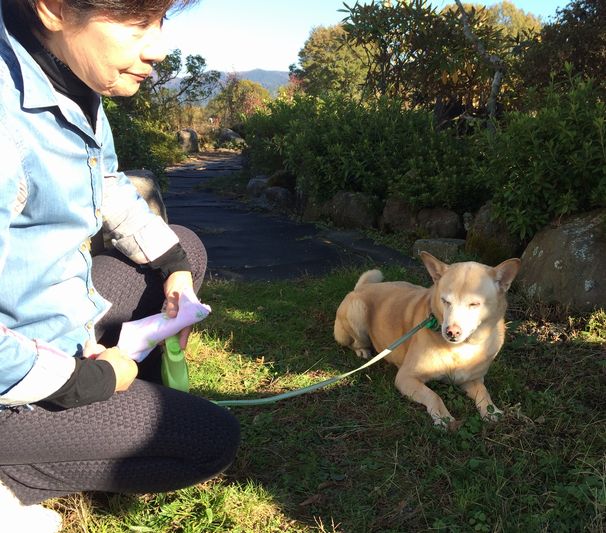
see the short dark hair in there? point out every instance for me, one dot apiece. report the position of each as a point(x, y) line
point(116, 9)
point(124, 9)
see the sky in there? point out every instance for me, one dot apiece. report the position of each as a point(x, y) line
point(241, 35)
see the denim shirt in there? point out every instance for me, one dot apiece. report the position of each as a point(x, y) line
point(59, 183)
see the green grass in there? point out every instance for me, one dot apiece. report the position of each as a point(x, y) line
point(357, 457)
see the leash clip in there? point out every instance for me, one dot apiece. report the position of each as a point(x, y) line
point(432, 323)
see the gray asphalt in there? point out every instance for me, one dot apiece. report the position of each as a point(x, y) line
point(247, 244)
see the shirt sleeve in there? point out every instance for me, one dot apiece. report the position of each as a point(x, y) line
point(174, 260)
point(134, 229)
point(92, 381)
point(29, 370)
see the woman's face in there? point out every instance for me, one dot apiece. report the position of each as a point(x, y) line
point(112, 58)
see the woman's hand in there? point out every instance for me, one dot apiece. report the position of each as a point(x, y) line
point(173, 287)
point(124, 367)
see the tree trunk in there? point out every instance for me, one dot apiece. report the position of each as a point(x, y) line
point(494, 61)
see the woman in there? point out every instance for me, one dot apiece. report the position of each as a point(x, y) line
point(70, 422)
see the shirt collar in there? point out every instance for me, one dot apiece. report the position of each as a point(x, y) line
point(37, 89)
point(43, 73)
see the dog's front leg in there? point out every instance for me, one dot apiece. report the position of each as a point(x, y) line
point(478, 392)
point(417, 391)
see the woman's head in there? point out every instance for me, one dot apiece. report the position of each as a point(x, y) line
point(119, 10)
point(110, 45)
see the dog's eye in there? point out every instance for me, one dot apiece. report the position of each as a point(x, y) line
point(474, 304)
point(445, 301)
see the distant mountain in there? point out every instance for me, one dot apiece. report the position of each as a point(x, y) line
point(270, 79)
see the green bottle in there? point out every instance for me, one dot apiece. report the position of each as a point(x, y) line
point(174, 367)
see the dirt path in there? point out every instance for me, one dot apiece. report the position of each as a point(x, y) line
point(246, 244)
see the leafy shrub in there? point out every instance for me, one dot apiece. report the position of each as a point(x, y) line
point(552, 162)
point(544, 163)
point(265, 132)
point(142, 143)
point(377, 148)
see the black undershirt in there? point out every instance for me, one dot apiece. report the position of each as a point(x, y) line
point(92, 380)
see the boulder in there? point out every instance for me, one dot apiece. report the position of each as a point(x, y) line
point(444, 249)
point(439, 222)
point(279, 198)
point(490, 240)
point(283, 178)
point(565, 263)
point(257, 185)
point(229, 136)
point(398, 216)
point(188, 140)
point(147, 186)
point(351, 210)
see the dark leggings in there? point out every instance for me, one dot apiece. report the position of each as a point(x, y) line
point(147, 439)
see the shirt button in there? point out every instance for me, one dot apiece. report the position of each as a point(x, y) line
point(98, 212)
point(91, 291)
point(84, 247)
point(92, 161)
point(89, 326)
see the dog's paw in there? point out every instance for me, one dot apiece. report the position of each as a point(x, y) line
point(444, 423)
point(364, 353)
point(492, 414)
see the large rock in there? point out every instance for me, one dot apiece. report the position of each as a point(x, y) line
point(229, 136)
point(439, 222)
point(147, 186)
point(279, 198)
point(490, 240)
point(351, 210)
point(188, 140)
point(444, 249)
point(256, 186)
point(283, 178)
point(565, 264)
point(398, 216)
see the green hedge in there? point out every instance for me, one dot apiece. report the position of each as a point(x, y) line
point(379, 149)
point(142, 143)
point(551, 162)
point(537, 165)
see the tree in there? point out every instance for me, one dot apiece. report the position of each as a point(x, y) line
point(193, 87)
point(511, 20)
point(491, 60)
point(504, 16)
point(144, 124)
point(162, 94)
point(576, 37)
point(414, 53)
point(293, 88)
point(237, 99)
point(328, 63)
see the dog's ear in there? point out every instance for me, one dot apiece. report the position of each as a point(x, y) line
point(505, 273)
point(434, 266)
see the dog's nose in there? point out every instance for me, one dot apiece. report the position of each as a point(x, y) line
point(453, 332)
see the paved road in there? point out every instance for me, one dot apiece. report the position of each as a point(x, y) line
point(245, 244)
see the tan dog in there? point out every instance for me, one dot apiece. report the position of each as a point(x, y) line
point(468, 299)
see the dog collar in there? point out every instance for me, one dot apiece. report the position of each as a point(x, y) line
point(433, 323)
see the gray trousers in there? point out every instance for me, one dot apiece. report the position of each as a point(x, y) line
point(147, 439)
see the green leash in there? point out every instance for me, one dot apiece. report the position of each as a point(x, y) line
point(430, 322)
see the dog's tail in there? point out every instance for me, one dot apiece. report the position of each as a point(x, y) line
point(371, 276)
